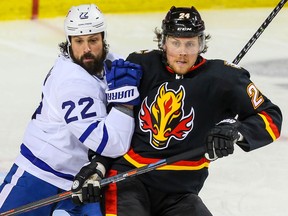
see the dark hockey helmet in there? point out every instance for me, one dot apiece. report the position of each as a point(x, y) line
point(183, 22)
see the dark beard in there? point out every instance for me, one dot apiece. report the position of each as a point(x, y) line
point(95, 67)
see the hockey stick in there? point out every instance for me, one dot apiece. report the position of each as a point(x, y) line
point(259, 31)
point(107, 181)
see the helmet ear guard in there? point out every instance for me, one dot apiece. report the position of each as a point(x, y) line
point(83, 20)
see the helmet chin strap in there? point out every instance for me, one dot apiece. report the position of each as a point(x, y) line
point(68, 49)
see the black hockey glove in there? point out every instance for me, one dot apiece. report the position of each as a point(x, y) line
point(220, 139)
point(86, 184)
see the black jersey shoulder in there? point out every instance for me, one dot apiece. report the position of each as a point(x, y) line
point(224, 68)
point(151, 62)
point(145, 56)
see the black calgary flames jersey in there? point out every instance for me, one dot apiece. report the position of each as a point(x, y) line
point(177, 112)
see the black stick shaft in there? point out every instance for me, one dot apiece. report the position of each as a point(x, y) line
point(37, 204)
point(259, 31)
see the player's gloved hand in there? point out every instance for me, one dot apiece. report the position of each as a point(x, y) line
point(86, 184)
point(123, 78)
point(221, 138)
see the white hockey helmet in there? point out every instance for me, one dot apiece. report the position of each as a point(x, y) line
point(83, 20)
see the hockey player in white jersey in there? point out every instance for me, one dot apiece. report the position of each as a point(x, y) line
point(73, 119)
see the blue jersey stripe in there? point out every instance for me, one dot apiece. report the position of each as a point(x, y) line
point(41, 164)
point(89, 130)
point(103, 141)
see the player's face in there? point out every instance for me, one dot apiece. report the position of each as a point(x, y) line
point(181, 53)
point(88, 51)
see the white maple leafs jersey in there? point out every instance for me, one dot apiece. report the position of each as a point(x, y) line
point(71, 119)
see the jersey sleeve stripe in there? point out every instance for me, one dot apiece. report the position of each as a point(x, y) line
point(103, 141)
point(270, 127)
point(88, 131)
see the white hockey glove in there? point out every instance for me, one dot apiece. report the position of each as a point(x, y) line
point(123, 80)
point(221, 138)
point(86, 184)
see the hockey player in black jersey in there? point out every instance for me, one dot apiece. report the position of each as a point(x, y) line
point(188, 102)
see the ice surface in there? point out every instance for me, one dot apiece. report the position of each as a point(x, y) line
point(244, 184)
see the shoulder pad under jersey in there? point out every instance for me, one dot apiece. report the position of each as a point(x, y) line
point(143, 51)
point(230, 64)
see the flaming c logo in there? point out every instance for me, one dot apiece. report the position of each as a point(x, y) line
point(165, 118)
